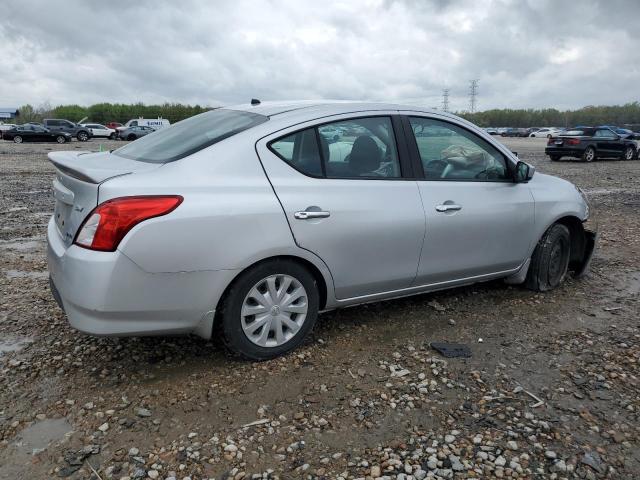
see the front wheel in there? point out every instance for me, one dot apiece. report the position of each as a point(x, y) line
point(17, 139)
point(589, 154)
point(269, 310)
point(112, 136)
point(131, 137)
point(550, 259)
point(629, 153)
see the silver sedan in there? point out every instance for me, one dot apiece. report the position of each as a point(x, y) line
point(244, 222)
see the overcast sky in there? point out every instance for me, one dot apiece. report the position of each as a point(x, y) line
point(563, 54)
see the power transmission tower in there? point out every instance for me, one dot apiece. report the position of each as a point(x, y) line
point(473, 94)
point(445, 99)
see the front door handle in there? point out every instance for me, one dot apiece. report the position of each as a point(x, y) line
point(308, 214)
point(448, 207)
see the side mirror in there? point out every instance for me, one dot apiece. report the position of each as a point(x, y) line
point(524, 172)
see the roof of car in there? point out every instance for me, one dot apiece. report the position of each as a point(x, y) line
point(321, 106)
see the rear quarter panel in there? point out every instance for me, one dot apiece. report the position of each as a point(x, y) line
point(229, 219)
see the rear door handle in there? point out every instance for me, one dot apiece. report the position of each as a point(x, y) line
point(448, 207)
point(308, 214)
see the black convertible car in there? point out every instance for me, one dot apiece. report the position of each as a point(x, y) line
point(590, 144)
point(35, 133)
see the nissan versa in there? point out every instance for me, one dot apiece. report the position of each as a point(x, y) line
point(244, 222)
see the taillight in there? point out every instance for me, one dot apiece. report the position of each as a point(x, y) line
point(109, 222)
point(550, 140)
point(573, 141)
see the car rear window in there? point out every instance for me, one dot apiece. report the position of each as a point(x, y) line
point(189, 136)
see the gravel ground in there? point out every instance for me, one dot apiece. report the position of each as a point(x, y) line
point(551, 390)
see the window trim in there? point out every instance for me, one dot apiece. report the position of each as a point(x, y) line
point(417, 159)
point(398, 136)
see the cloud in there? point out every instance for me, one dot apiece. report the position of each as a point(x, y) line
point(524, 53)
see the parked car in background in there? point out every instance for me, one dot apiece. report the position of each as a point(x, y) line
point(35, 133)
point(546, 132)
point(58, 125)
point(255, 222)
point(113, 125)
point(101, 131)
point(515, 132)
point(590, 144)
point(491, 131)
point(133, 133)
point(155, 123)
point(5, 127)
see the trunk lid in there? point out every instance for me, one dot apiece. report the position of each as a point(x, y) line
point(77, 183)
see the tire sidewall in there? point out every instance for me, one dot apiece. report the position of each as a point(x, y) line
point(17, 139)
point(633, 153)
point(557, 233)
point(60, 137)
point(230, 318)
point(585, 156)
point(82, 136)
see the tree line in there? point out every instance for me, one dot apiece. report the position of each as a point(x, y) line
point(109, 112)
point(628, 114)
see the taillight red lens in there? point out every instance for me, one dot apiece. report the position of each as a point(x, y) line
point(573, 141)
point(550, 140)
point(109, 222)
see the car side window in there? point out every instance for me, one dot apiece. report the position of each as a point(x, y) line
point(300, 150)
point(450, 152)
point(359, 148)
point(604, 134)
point(362, 148)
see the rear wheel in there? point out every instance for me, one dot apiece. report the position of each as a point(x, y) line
point(550, 259)
point(60, 139)
point(131, 137)
point(555, 158)
point(17, 139)
point(629, 153)
point(269, 310)
point(112, 136)
point(589, 154)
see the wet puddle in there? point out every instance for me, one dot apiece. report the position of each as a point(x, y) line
point(22, 244)
point(8, 345)
point(40, 435)
point(25, 274)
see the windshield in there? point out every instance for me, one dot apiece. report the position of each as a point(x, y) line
point(189, 136)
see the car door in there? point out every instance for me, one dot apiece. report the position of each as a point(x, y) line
point(344, 189)
point(607, 143)
point(478, 221)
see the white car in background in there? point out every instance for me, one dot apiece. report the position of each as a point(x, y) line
point(5, 127)
point(100, 131)
point(545, 132)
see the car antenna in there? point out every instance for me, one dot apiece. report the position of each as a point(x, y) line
point(255, 101)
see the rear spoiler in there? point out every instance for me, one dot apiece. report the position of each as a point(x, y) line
point(67, 163)
point(96, 167)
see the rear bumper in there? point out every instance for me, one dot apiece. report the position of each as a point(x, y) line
point(106, 293)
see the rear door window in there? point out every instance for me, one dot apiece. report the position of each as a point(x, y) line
point(360, 148)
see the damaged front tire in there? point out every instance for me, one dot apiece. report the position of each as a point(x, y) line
point(550, 259)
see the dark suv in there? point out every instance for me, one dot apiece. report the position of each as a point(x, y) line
point(65, 126)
